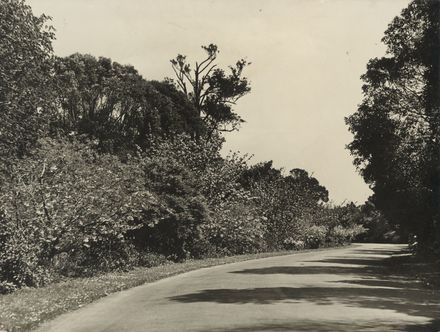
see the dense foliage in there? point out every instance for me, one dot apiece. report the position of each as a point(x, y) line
point(103, 169)
point(212, 91)
point(25, 65)
point(65, 200)
point(116, 105)
point(396, 128)
point(378, 228)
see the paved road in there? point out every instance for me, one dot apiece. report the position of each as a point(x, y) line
point(327, 291)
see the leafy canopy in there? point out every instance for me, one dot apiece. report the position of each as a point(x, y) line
point(212, 91)
point(396, 128)
point(25, 66)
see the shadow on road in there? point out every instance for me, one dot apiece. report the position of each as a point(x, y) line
point(369, 262)
point(411, 302)
point(318, 269)
point(378, 252)
point(372, 283)
point(331, 326)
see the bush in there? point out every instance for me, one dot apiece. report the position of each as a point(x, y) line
point(65, 198)
point(291, 244)
point(151, 259)
point(7, 287)
point(183, 208)
point(221, 219)
point(235, 229)
point(315, 236)
point(342, 235)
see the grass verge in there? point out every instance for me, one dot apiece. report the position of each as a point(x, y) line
point(26, 308)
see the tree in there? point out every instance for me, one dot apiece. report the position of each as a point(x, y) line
point(378, 229)
point(287, 202)
point(396, 128)
point(212, 91)
point(234, 224)
point(25, 65)
point(114, 103)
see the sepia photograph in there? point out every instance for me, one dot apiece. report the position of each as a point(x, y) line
point(220, 165)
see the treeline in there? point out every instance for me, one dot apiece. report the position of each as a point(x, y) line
point(397, 126)
point(102, 169)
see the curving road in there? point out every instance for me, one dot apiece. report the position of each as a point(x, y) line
point(334, 290)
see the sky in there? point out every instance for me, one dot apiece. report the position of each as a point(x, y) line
point(307, 58)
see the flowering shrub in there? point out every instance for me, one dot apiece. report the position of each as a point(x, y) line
point(183, 207)
point(343, 235)
point(291, 244)
point(235, 229)
point(65, 198)
point(198, 171)
point(315, 236)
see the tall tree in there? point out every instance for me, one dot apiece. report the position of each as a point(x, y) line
point(396, 128)
point(212, 91)
point(25, 65)
point(114, 103)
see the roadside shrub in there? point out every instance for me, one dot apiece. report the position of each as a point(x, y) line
point(7, 287)
point(315, 236)
point(342, 235)
point(378, 228)
point(293, 244)
point(236, 228)
point(183, 208)
point(151, 259)
point(20, 261)
point(65, 198)
point(288, 201)
point(221, 218)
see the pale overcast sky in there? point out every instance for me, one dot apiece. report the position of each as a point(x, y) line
point(307, 57)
